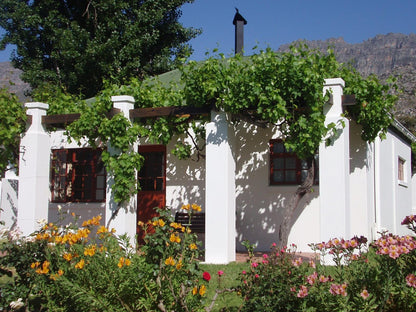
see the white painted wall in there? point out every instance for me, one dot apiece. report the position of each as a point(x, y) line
point(361, 184)
point(395, 196)
point(260, 205)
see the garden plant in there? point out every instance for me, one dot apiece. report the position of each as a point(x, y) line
point(91, 268)
point(379, 276)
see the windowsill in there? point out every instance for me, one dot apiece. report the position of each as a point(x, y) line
point(403, 183)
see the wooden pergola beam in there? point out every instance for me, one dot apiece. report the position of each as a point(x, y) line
point(178, 111)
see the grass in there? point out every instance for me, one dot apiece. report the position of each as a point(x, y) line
point(227, 301)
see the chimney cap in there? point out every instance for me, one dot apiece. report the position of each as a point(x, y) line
point(238, 17)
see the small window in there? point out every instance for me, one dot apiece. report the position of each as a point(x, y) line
point(77, 175)
point(401, 169)
point(286, 167)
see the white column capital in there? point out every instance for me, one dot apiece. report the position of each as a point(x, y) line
point(124, 103)
point(36, 110)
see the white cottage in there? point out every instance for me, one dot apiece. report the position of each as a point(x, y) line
point(243, 184)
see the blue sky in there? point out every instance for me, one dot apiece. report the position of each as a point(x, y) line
point(276, 22)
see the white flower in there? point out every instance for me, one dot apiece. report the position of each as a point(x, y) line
point(16, 305)
point(42, 222)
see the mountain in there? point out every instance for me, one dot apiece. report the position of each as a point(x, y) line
point(384, 56)
point(10, 79)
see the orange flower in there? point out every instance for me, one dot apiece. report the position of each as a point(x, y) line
point(170, 261)
point(186, 207)
point(90, 251)
point(80, 265)
point(102, 229)
point(194, 291)
point(202, 290)
point(67, 256)
point(44, 269)
point(123, 262)
point(196, 207)
point(179, 265)
point(193, 246)
point(174, 238)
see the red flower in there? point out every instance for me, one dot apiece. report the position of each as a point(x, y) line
point(206, 276)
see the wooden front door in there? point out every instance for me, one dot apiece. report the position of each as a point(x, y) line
point(152, 179)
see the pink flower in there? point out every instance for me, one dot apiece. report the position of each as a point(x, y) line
point(254, 264)
point(312, 264)
point(312, 278)
point(411, 280)
point(364, 294)
point(303, 292)
point(256, 276)
point(206, 276)
point(220, 273)
point(265, 256)
point(244, 272)
point(274, 244)
point(338, 289)
point(297, 262)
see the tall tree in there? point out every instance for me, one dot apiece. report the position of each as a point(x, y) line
point(79, 44)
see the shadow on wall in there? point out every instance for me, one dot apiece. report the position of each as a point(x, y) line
point(259, 205)
point(185, 180)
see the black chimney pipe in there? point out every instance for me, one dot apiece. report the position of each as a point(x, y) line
point(239, 23)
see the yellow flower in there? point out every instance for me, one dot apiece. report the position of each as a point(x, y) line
point(186, 207)
point(140, 223)
point(202, 290)
point(93, 221)
point(179, 265)
point(67, 256)
point(193, 246)
point(90, 251)
point(194, 291)
point(196, 207)
point(44, 269)
point(174, 238)
point(161, 222)
point(123, 261)
point(176, 225)
point(35, 264)
point(60, 272)
point(80, 264)
point(170, 261)
point(102, 229)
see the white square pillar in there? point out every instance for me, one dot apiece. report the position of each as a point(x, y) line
point(334, 169)
point(123, 214)
point(220, 231)
point(33, 194)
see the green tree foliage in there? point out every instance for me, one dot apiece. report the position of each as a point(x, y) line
point(78, 44)
point(12, 124)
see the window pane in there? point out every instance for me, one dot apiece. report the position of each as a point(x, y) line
point(291, 176)
point(100, 182)
point(278, 176)
point(291, 163)
point(278, 147)
point(303, 175)
point(278, 163)
point(99, 195)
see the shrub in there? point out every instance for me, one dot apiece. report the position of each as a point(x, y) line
point(90, 268)
point(375, 277)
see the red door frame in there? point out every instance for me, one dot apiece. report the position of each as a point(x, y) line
point(148, 199)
